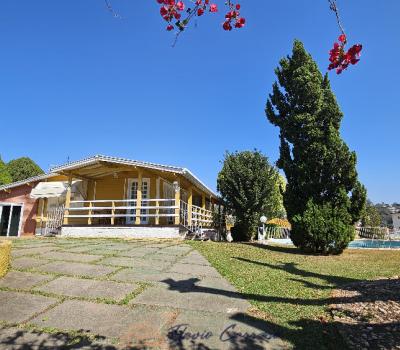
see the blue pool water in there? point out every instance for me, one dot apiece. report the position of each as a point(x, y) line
point(358, 243)
point(374, 243)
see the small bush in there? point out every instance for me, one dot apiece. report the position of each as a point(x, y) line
point(5, 255)
point(322, 229)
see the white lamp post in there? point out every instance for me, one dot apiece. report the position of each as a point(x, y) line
point(263, 220)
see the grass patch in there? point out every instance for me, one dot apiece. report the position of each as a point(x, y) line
point(290, 290)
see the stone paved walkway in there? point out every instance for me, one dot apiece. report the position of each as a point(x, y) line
point(108, 294)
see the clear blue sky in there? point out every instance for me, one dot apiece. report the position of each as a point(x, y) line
point(77, 82)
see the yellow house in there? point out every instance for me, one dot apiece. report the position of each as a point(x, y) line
point(105, 196)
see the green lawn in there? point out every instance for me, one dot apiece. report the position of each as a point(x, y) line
point(290, 290)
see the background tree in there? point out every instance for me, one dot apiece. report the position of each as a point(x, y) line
point(371, 216)
point(5, 176)
point(323, 197)
point(23, 168)
point(249, 186)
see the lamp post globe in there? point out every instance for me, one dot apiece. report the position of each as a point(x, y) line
point(263, 219)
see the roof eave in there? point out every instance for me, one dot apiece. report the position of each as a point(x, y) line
point(26, 181)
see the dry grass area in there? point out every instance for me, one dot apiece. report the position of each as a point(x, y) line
point(5, 254)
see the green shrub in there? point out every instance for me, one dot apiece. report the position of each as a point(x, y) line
point(322, 229)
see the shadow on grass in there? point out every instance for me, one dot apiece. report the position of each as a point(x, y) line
point(293, 269)
point(306, 333)
point(278, 249)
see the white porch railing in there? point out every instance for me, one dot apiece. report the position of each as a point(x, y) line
point(120, 208)
point(114, 209)
point(201, 216)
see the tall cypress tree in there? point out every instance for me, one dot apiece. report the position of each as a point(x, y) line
point(323, 198)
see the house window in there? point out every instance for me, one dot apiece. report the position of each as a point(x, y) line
point(10, 219)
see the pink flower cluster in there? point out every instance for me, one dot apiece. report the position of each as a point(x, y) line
point(234, 16)
point(172, 10)
point(202, 6)
point(339, 58)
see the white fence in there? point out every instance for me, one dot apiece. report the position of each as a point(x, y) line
point(274, 232)
point(373, 232)
point(54, 221)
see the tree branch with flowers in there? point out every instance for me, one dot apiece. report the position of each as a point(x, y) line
point(178, 16)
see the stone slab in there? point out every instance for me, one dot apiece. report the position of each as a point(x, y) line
point(112, 321)
point(202, 330)
point(65, 256)
point(199, 298)
point(137, 252)
point(80, 249)
point(146, 275)
point(136, 263)
point(134, 275)
point(177, 249)
point(31, 251)
point(195, 258)
point(27, 262)
point(22, 280)
point(183, 282)
point(34, 242)
point(16, 307)
point(76, 269)
point(195, 270)
point(163, 257)
point(76, 287)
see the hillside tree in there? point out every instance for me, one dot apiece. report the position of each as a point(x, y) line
point(5, 176)
point(23, 168)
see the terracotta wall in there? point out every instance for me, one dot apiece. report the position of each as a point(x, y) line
point(20, 195)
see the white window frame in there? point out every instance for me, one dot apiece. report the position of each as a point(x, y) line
point(12, 205)
point(131, 219)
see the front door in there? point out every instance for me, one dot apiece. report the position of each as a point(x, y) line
point(132, 194)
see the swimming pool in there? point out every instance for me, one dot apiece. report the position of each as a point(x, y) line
point(356, 244)
point(374, 243)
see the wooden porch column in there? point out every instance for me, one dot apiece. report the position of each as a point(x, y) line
point(177, 203)
point(113, 213)
point(157, 218)
point(203, 201)
point(43, 202)
point(91, 189)
point(139, 198)
point(190, 203)
point(68, 200)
